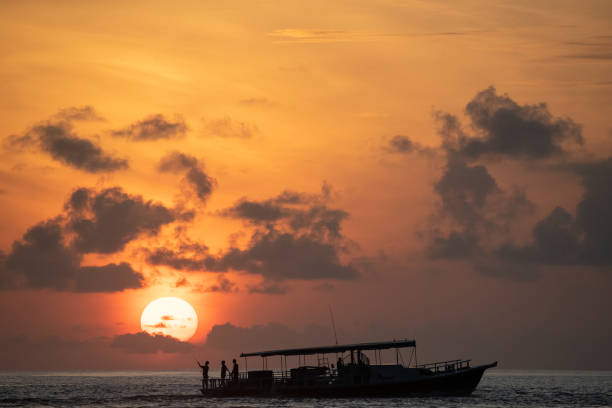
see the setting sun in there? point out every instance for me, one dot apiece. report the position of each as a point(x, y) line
point(170, 316)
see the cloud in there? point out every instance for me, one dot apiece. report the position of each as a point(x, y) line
point(277, 256)
point(223, 285)
point(43, 260)
point(261, 337)
point(154, 127)
point(229, 128)
point(184, 260)
point(476, 211)
point(256, 102)
point(56, 137)
point(108, 278)
point(563, 239)
point(145, 343)
point(295, 236)
point(195, 176)
point(476, 216)
point(503, 128)
point(81, 113)
point(267, 288)
point(310, 35)
point(62, 144)
point(464, 190)
point(593, 212)
point(404, 145)
point(105, 221)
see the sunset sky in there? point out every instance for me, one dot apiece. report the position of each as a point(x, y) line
point(436, 170)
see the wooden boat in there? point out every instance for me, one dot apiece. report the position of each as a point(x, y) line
point(354, 375)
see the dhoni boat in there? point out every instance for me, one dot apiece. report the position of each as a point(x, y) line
point(353, 375)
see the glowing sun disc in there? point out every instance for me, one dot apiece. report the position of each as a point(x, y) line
point(170, 316)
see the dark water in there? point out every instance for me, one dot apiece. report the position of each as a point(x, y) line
point(498, 388)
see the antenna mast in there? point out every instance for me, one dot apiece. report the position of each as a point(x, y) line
point(333, 324)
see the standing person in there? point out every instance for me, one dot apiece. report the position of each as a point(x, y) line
point(204, 374)
point(235, 371)
point(224, 371)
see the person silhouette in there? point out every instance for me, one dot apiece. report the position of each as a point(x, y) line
point(235, 371)
point(204, 374)
point(224, 371)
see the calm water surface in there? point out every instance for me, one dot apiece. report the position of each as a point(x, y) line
point(498, 388)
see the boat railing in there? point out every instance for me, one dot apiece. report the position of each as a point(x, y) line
point(446, 366)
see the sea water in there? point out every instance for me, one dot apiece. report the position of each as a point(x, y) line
point(498, 388)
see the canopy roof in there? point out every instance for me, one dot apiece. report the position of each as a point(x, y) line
point(334, 349)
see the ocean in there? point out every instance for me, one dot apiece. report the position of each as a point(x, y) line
point(498, 388)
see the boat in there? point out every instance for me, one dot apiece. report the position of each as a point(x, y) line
point(354, 374)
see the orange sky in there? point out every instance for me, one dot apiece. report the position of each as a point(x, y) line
point(309, 98)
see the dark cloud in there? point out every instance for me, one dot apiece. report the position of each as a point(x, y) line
point(223, 285)
point(42, 260)
point(563, 239)
point(57, 137)
point(105, 221)
point(560, 238)
point(476, 208)
point(228, 128)
point(455, 245)
point(261, 337)
point(404, 145)
point(195, 175)
point(277, 256)
point(154, 127)
point(108, 278)
point(296, 236)
point(255, 211)
point(593, 213)
point(268, 288)
point(80, 113)
point(504, 128)
point(263, 102)
point(145, 343)
point(184, 258)
point(301, 212)
point(464, 190)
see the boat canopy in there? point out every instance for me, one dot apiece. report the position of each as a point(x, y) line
point(334, 349)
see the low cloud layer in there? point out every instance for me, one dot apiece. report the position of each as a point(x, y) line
point(145, 343)
point(261, 337)
point(151, 128)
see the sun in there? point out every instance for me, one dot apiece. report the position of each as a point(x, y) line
point(170, 316)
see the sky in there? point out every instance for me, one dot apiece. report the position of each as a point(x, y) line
point(432, 170)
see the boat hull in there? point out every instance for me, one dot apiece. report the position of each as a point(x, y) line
point(457, 383)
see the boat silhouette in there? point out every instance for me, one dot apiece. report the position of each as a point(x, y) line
point(354, 376)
